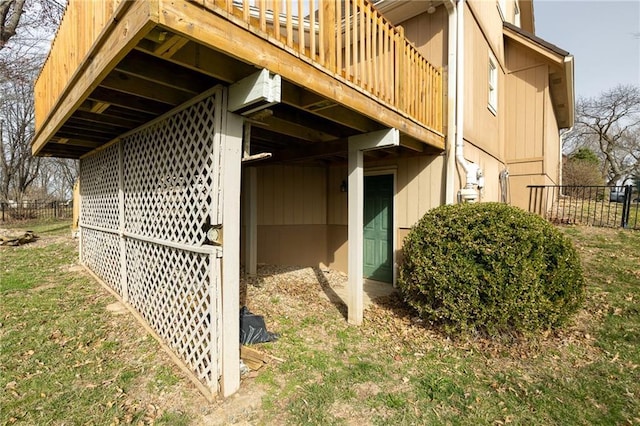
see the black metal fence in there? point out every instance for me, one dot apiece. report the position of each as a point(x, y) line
point(606, 206)
point(30, 210)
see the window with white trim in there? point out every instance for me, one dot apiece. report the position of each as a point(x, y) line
point(516, 13)
point(502, 8)
point(493, 84)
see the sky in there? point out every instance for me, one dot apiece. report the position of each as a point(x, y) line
point(603, 36)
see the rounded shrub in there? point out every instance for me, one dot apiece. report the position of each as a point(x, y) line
point(490, 267)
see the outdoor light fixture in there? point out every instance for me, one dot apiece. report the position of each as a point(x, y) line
point(343, 186)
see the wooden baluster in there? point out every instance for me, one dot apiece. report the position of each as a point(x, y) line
point(276, 19)
point(312, 30)
point(301, 42)
point(263, 15)
point(321, 31)
point(246, 11)
point(347, 40)
point(289, 8)
point(368, 45)
point(334, 35)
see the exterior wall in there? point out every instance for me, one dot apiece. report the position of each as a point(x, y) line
point(429, 34)
point(292, 215)
point(481, 125)
point(531, 129)
point(489, 23)
point(302, 214)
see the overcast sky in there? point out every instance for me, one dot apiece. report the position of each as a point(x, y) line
point(603, 36)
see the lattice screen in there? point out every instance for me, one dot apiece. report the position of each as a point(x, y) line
point(101, 253)
point(99, 189)
point(170, 288)
point(171, 178)
point(170, 185)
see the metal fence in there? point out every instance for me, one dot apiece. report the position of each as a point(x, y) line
point(35, 210)
point(605, 206)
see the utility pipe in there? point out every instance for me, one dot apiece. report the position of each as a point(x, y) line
point(451, 103)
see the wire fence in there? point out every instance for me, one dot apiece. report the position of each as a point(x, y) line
point(603, 206)
point(35, 210)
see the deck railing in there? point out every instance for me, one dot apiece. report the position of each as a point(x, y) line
point(81, 24)
point(350, 39)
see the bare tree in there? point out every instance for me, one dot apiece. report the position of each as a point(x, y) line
point(18, 167)
point(26, 26)
point(27, 17)
point(610, 125)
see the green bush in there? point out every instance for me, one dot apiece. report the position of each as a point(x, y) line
point(491, 268)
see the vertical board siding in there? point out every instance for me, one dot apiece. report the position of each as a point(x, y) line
point(292, 195)
point(529, 118)
point(481, 125)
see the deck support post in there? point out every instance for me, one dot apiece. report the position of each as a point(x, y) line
point(357, 145)
point(230, 182)
point(251, 221)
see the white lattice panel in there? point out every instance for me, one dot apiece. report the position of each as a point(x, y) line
point(99, 189)
point(171, 289)
point(101, 253)
point(171, 175)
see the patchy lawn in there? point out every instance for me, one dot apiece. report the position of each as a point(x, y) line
point(66, 359)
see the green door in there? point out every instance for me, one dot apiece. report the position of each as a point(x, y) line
point(378, 228)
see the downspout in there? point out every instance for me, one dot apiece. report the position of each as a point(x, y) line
point(455, 132)
point(452, 100)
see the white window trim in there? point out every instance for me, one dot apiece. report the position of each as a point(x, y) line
point(492, 84)
point(502, 8)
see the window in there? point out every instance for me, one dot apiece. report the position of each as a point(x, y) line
point(493, 84)
point(516, 13)
point(502, 8)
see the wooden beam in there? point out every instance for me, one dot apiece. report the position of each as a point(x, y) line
point(215, 31)
point(205, 60)
point(137, 86)
point(170, 46)
point(251, 221)
point(299, 97)
point(99, 107)
point(106, 118)
point(312, 151)
point(164, 72)
point(130, 102)
point(293, 129)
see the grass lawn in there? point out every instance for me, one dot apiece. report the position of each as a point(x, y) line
point(66, 359)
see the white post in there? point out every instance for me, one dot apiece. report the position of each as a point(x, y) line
point(123, 244)
point(355, 245)
point(357, 144)
point(230, 182)
point(251, 221)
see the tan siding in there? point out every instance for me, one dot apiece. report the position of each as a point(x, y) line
point(296, 245)
point(481, 125)
point(337, 201)
point(429, 35)
point(292, 195)
point(489, 20)
point(337, 247)
point(552, 143)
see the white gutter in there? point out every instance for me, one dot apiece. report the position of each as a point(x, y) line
point(451, 103)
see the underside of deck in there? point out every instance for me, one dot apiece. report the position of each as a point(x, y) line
point(154, 56)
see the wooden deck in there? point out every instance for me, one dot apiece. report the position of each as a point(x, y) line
point(115, 65)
